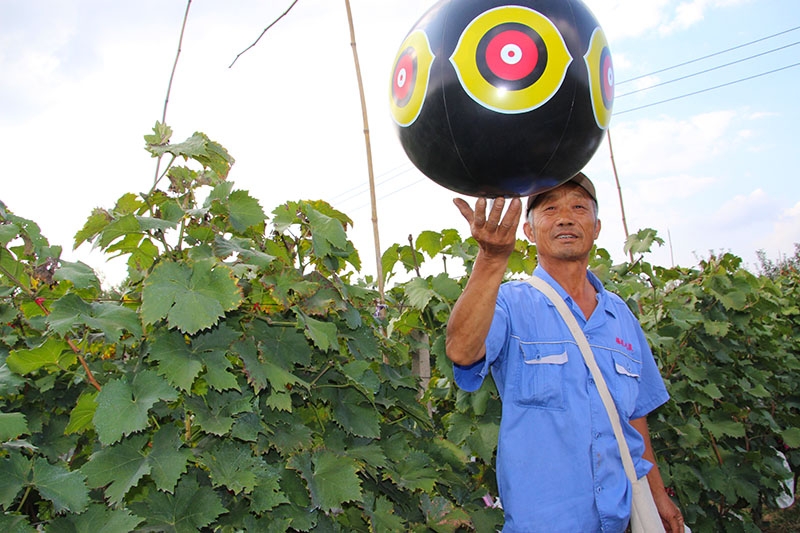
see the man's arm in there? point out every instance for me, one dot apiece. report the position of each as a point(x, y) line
point(670, 514)
point(472, 314)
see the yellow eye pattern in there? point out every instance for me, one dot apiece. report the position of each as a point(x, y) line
point(511, 59)
point(410, 77)
point(601, 78)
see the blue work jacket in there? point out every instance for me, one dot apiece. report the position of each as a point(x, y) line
point(558, 462)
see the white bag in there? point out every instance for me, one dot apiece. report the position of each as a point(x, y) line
point(644, 514)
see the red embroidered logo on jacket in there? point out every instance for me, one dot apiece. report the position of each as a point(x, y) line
point(628, 346)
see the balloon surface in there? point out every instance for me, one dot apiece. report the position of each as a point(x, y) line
point(496, 99)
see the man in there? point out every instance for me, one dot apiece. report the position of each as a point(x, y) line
point(558, 462)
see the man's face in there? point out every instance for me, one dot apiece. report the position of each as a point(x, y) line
point(565, 224)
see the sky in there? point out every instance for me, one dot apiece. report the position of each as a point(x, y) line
point(703, 131)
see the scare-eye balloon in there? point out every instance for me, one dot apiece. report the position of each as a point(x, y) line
point(494, 99)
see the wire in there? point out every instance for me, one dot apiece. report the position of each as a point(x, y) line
point(708, 56)
point(707, 89)
point(708, 70)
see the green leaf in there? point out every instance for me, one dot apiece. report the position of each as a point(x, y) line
point(80, 418)
point(190, 296)
point(327, 233)
point(168, 458)
point(112, 520)
point(245, 211)
point(191, 508)
point(429, 242)
point(267, 493)
point(15, 473)
point(10, 523)
point(355, 416)
point(232, 465)
point(415, 472)
point(54, 354)
point(12, 425)
point(161, 134)
point(175, 359)
point(418, 293)
point(791, 437)
point(446, 287)
point(111, 319)
point(122, 407)
point(324, 335)
point(332, 480)
point(79, 274)
point(724, 427)
point(214, 413)
point(382, 516)
point(119, 467)
point(67, 490)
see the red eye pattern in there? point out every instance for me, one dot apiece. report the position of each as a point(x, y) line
point(601, 78)
point(511, 59)
point(410, 77)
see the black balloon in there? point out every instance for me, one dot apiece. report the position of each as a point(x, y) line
point(492, 99)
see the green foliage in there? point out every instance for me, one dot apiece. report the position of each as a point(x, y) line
point(240, 379)
point(236, 381)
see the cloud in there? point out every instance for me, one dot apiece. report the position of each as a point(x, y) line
point(666, 145)
point(785, 230)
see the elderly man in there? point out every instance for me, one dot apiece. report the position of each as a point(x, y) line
point(558, 462)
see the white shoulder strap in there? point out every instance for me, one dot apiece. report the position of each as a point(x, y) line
point(588, 357)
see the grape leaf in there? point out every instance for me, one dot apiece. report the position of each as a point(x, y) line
point(122, 407)
point(53, 354)
point(233, 465)
point(383, 518)
point(168, 458)
point(331, 479)
point(356, 418)
point(67, 490)
point(12, 425)
point(245, 211)
point(113, 521)
point(14, 474)
point(175, 359)
point(10, 523)
point(120, 467)
point(190, 509)
point(214, 413)
point(323, 334)
point(268, 493)
point(80, 274)
point(70, 311)
point(191, 296)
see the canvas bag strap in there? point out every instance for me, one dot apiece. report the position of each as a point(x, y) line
point(588, 357)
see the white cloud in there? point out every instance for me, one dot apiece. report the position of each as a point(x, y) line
point(665, 145)
point(785, 230)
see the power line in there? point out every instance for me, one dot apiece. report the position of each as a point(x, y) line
point(365, 185)
point(709, 56)
point(707, 89)
point(708, 70)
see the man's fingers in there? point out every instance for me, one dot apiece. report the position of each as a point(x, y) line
point(496, 212)
point(511, 218)
point(465, 209)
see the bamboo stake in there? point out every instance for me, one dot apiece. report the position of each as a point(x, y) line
point(619, 191)
point(373, 201)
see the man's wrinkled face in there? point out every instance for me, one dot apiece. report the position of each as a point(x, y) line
point(563, 223)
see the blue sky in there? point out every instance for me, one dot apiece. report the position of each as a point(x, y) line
point(83, 80)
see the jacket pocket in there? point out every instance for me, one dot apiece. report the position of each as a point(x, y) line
point(541, 375)
point(626, 382)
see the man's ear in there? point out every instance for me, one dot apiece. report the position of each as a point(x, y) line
point(597, 229)
point(528, 231)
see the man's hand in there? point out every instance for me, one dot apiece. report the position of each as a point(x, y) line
point(671, 516)
point(495, 237)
